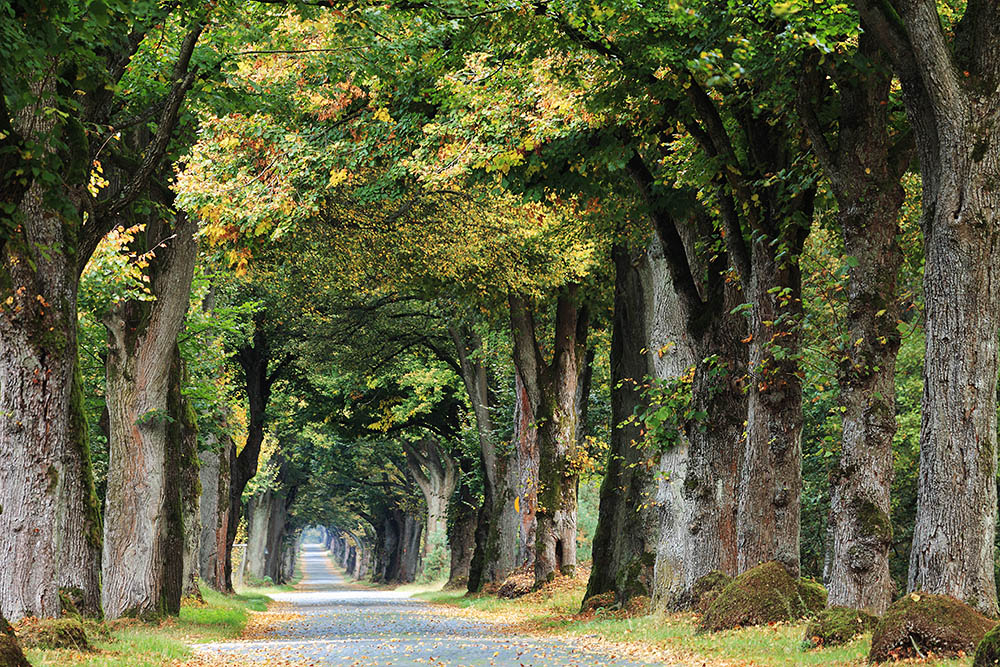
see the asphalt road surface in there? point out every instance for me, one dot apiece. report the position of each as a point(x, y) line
point(336, 625)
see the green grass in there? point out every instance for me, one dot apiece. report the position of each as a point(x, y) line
point(220, 618)
point(778, 645)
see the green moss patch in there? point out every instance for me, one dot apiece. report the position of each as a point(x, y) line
point(707, 588)
point(921, 624)
point(10, 650)
point(764, 594)
point(50, 633)
point(838, 625)
point(988, 651)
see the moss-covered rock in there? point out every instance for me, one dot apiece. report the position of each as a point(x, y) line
point(988, 651)
point(921, 623)
point(764, 594)
point(707, 588)
point(838, 625)
point(10, 652)
point(49, 633)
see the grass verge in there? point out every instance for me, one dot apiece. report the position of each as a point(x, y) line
point(658, 637)
point(130, 643)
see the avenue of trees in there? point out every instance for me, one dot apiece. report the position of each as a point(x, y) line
point(426, 274)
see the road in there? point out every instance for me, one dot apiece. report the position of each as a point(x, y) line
point(337, 625)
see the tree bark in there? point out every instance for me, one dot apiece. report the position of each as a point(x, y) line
point(771, 472)
point(698, 477)
point(254, 359)
point(462, 533)
point(551, 389)
point(865, 173)
point(625, 539)
point(436, 475)
point(49, 516)
point(190, 490)
point(510, 542)
point(258, 521)
point(214, 477)
point(142, 344)
point(949, 84)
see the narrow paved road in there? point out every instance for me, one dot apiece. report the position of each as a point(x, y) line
point(341, 626)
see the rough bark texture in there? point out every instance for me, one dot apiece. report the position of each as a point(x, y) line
point(691, 316)
point(436, 473)
point(397, 548)
point(462, 532)
point(865, 171)
point(950, 87)
point(551, 389)
point(254, 359)
point(625, 539)
point(190, 495)
point(49, 515)
point(505, 527)
point(670, 354)
point(771, 472)
point(510, 541)
point(258, 519)
point(214, 478)
point(141, 346)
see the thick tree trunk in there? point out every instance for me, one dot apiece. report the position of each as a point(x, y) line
point(436, 474)
point(949, 83)
point(139, 523)
point(214, 477)
point(172, 547)
point(625, 540)
point(771, 472)
point(254, 360)
point(865, 172)
point(258, 521)
point(462, 533)
point(49, 516)
point(510, 542)
point(953, 539)
point(551, 389)
point(693, 323)
point(190, 497)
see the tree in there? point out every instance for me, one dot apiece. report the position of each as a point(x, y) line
point(945, 79)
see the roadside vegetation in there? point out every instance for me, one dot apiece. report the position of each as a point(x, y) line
point(659, 636)
point(134, 643)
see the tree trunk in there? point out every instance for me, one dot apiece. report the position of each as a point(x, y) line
point(625, 540)
point(190, 497)
point(436, 474)
point(949, 80)
point(410, 562)
point(552, 391)
point(510, 542)
point(953, 538)
point(138, 521)
point(49, 516)
point(771, 473)
point(462, 533)
point(693, 322)
point(171, 546)
point(214, 477)
point(486, 564)
point(258, 521)
point(865, 173)
point(254, 359)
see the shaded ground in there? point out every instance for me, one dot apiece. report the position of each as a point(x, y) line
point(332, 624)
